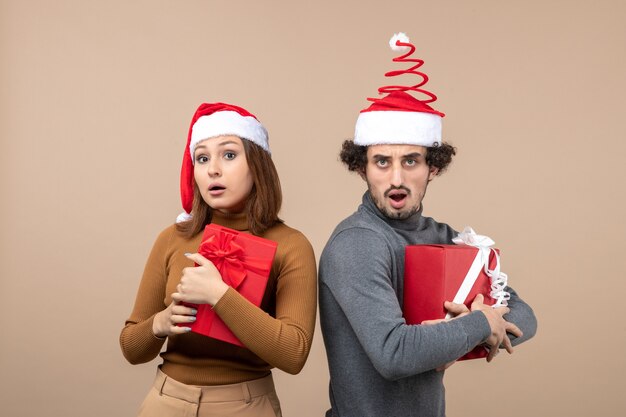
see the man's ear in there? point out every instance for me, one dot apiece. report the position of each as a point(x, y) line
point(433, 171)
point(361, 172)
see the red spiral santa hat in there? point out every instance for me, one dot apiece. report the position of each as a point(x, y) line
point(398, 117)
point(209, 121)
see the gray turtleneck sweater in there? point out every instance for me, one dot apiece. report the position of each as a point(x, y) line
point(379, 365)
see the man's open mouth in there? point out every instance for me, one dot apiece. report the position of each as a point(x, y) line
point(397, 196)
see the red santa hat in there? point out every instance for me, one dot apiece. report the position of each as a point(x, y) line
point(209, 121)
point(398, 117)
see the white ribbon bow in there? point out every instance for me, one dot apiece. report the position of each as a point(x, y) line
point(498, 278)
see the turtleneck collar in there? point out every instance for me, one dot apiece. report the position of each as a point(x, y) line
point(411, 223)
point(237, 221)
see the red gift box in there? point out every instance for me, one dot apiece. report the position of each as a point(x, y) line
point(244, 261)
point(435, 273)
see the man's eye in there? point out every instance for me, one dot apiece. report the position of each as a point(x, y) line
point(202, 159)
point(230, 155)
point(381, 162)
point(410, 162)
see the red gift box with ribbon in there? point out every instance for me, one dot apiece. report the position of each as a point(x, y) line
point(437, 273)
point(244, 261)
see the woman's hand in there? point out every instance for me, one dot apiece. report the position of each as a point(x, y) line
point(202, 284)
point(166, 322)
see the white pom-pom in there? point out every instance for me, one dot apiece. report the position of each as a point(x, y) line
point(183, 217)
point(399, 37)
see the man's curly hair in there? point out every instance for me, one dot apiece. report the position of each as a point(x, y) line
point(355, 156)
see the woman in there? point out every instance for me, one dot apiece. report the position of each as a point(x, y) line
point(227, 178)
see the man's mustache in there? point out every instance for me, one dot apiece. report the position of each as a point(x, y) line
point(400, 187)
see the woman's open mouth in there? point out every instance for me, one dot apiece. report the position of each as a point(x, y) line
point(216, 189)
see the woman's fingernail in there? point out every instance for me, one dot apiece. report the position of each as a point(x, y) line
point(187, 253)
point(187, 329)
point(194, 311)
point(192, 318)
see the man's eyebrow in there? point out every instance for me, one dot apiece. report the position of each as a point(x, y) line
point(409, 155)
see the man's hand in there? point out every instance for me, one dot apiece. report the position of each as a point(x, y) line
point(456, 310)
point(498, 325)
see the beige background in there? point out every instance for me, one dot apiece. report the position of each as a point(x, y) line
point(96, 98)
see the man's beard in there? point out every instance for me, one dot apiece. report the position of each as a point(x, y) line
point(395, 215)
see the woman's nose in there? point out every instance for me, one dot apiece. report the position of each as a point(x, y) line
point(214, 168)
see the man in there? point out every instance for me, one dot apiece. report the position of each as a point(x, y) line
point(379, 365)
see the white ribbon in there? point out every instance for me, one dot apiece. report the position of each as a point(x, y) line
point(499, 279)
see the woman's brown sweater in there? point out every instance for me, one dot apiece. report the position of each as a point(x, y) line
point(278, 334)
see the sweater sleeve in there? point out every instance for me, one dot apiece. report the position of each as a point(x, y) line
point(522, 316)
point(355, 270)
point(283, 341)
point(138, 342)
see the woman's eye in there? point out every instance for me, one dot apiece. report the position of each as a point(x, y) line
point(201, 159)
point(230, 155)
